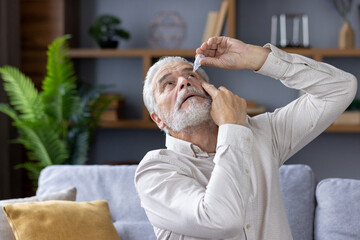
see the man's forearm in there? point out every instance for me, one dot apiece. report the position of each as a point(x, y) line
point(256, 56)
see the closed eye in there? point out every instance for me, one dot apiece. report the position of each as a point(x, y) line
point(168, 84)
point(191, 76)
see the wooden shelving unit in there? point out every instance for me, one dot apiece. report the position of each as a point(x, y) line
point(320, 53)
point(148, 55)
point(344, 129)
point(137, 124)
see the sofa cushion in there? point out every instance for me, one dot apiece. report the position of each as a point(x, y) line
point(297, 185)
point(115, 184)
point(338, 212)
point(6, 232)
point(61, 220)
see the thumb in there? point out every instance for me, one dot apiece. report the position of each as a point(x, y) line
point(209, 61)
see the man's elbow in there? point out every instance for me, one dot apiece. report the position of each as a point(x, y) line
point(352, 88)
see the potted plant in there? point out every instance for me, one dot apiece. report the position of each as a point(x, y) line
point(54, 125)
point(105, 31)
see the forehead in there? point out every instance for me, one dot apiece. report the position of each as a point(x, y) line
point(170, 67)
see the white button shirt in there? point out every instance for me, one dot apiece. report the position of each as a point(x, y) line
point(235, 193)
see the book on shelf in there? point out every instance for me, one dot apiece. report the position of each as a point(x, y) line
point(221, 17)
point(215, 21)
point(210, 25)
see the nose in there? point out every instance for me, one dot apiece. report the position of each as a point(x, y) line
point(184, 82)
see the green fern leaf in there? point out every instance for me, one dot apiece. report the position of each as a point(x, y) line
point(5, 108)
point(42, 142)
point(22, 94)
point(59, 86)
point(78, 145)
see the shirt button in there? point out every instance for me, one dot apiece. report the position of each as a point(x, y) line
point(248, 226)
point(276, 61)
point(247, 171)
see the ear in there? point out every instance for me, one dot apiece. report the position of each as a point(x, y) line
point(157, 120)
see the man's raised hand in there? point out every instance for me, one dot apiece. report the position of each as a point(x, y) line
point(226, 107)
point(229, 53)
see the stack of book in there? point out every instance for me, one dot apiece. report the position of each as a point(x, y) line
point(215, 21)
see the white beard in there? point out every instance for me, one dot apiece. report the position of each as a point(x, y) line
point(195, 114)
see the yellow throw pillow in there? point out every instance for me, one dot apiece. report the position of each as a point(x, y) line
point(61, 220)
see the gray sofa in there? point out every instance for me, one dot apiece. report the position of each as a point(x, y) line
point(329, 210)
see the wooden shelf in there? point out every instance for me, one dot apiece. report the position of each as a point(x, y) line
point(146, 52)
point(320, 53)
point(148, 55)
point(143, 124)
point(344, 129)
point(138, 124)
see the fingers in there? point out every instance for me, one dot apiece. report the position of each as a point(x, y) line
point(208, 61)
point(224, 89)
point(212, 49)
point(210, 89)
point(209, 47)
point(213, 42)
point(226, 107)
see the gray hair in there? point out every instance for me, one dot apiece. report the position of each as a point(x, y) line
point(148, 90)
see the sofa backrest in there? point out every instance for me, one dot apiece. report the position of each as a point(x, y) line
point(115, 184)
point(297, 186)
point(338, 209)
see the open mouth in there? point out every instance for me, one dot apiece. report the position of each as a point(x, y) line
point(188, 97)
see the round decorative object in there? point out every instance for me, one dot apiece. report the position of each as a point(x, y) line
point(167, 30)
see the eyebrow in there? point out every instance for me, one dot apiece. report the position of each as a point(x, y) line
point(168, 74)
point(163, 78)
point(187, 69)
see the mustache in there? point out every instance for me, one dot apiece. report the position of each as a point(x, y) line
point(183, 94)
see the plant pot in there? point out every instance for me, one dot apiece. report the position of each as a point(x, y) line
point(108, 44)
point(346, 36)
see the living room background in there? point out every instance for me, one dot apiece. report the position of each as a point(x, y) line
point(330, 155)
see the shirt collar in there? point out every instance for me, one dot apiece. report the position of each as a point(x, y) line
point(184, 147)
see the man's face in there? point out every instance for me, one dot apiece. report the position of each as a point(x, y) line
point(179, 96)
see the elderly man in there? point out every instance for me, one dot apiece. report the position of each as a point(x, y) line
point(218, 178)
